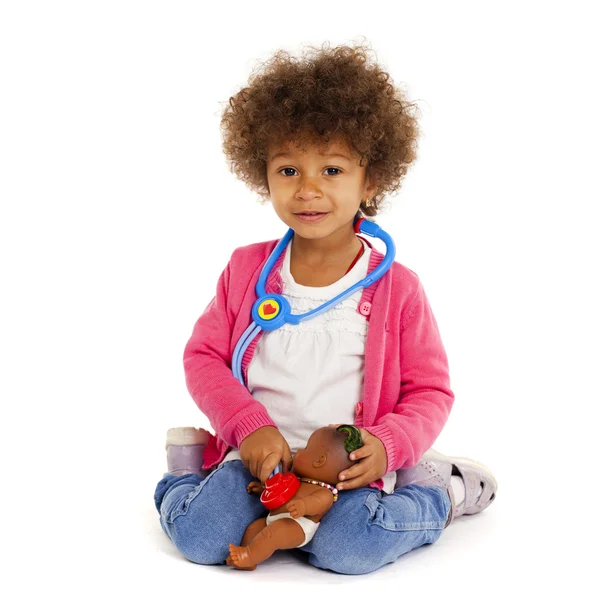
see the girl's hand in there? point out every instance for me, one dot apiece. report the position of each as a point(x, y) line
point(372, 463)
point(263, 450)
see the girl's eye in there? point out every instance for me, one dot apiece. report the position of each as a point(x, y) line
point(292, 169)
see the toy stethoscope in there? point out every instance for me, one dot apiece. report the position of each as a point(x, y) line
point(271, 311)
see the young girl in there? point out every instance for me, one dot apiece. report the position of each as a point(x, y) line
point(323, 139)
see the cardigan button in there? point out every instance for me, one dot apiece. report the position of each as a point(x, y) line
point(365, 309)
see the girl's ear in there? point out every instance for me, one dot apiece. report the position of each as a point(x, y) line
point(371, 186)
point(322, 460)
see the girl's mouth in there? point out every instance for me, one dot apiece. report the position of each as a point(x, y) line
point(310, 217)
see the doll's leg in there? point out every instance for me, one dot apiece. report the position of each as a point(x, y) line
point(203, 515)
point(251, 531)
point(367, 529)
point(282, 534)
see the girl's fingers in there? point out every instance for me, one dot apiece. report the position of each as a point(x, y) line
point(359, 455)
point(362, 452)
point(354, 471)
point(356, 482)
point(268, 466)
point(287, 459)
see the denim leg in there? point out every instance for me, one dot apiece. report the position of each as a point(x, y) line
point(367, 529)
point(203, 515)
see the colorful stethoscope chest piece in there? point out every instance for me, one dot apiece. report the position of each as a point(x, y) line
point(279, 489)
point(269, 312)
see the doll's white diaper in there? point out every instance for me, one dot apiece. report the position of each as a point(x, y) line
point(309, 527)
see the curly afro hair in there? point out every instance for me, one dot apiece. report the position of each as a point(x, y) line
point(328, 94)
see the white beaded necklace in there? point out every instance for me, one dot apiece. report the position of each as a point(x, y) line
point(334, 490)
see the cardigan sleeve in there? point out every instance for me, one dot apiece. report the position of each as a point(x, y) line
point(232, 411)
point(425, 398)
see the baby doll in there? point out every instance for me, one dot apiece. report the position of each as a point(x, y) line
point(294, 524)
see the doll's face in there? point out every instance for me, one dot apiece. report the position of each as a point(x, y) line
point(324, 456)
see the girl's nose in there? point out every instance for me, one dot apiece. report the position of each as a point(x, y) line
point(307, 190)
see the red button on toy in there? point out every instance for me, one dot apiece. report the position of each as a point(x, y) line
point(279, 489)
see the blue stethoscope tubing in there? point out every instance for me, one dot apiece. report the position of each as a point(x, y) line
point(284, 314)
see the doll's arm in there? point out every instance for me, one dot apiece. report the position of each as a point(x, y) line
point(425, 398)
point(317, 503)
point(255, 487)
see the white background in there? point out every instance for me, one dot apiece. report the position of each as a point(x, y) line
point(118, 213)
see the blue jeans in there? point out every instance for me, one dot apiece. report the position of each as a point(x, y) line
point(363, 531)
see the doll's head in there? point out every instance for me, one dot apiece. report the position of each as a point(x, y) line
point(329, 95)
point(327, 453)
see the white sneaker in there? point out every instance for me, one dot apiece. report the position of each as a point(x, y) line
point(187, 436)
point(185, 450)
point(436, 468)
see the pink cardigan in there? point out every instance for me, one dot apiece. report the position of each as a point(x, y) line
point(406, 398)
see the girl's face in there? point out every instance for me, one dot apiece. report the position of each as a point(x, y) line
point(327, 181)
